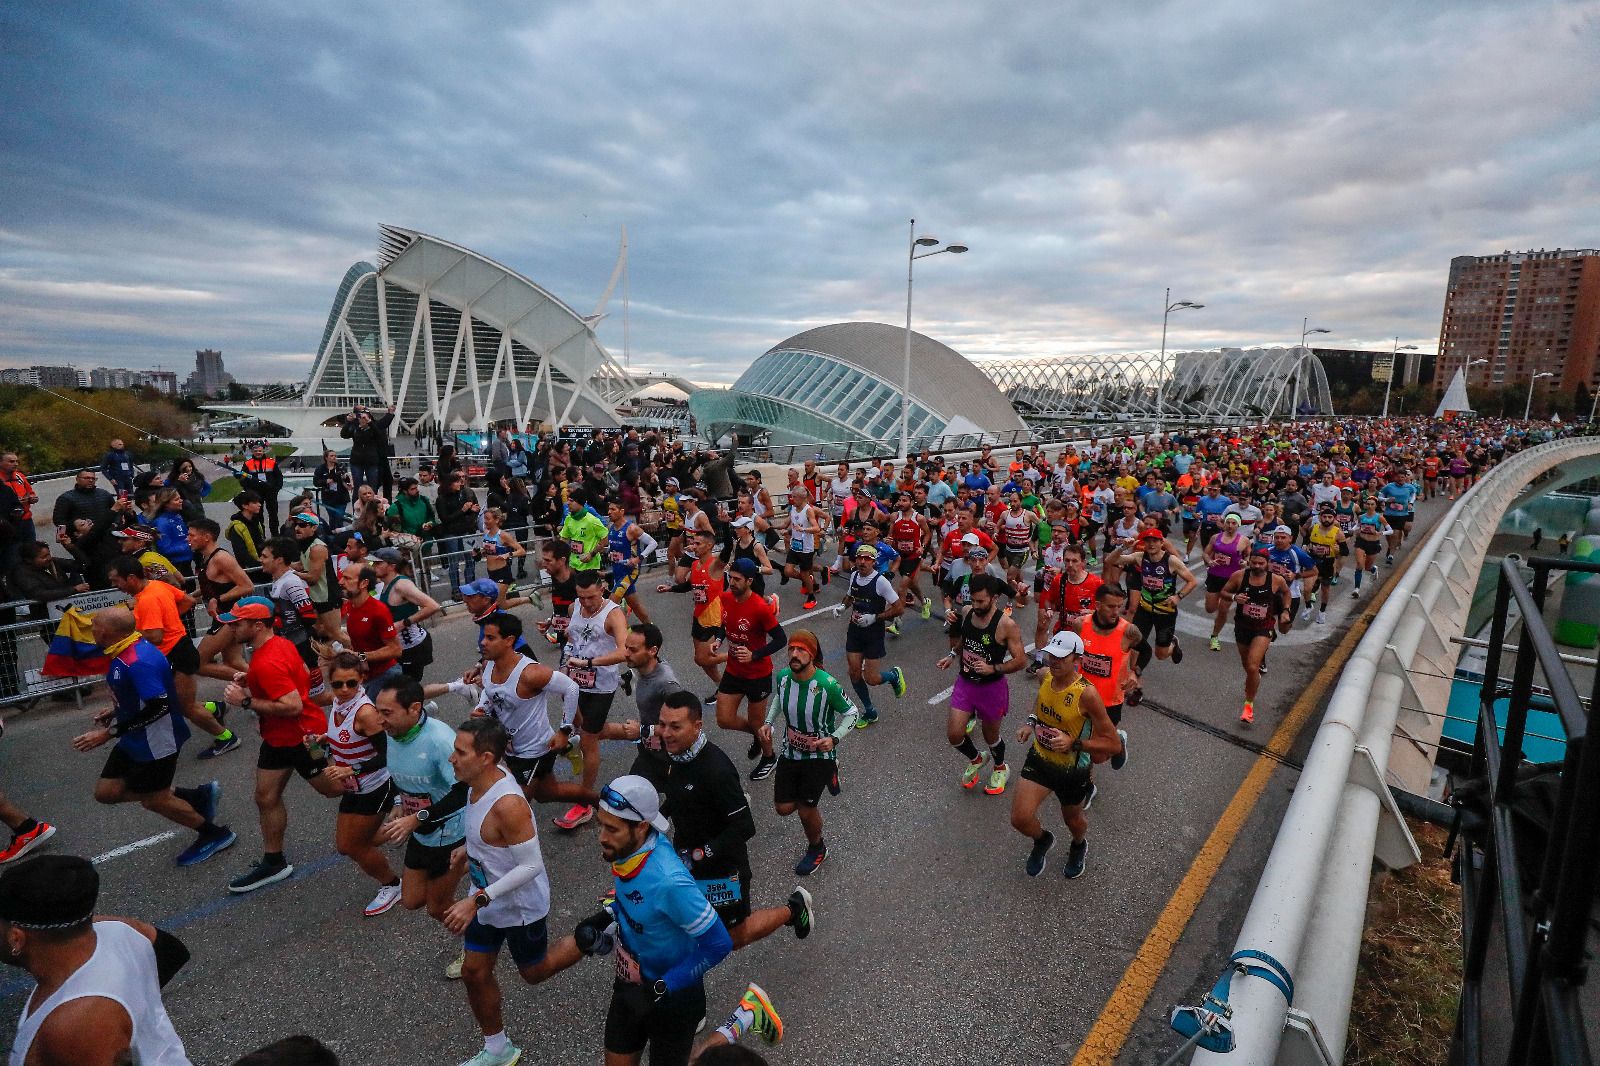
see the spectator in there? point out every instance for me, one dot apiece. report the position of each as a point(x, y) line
point(333, 485)
point(413, 512)
point(85, 499)
point(260, 475)
point(447, 462)
point(500, 451)
point(42, 577)
point(169, 519)
point(116, 466)
point(15, 480)
point(369, 446)
point(458, 520)
point(247, 530)
point(10, 519)
point(191, 485)
point(519, 461)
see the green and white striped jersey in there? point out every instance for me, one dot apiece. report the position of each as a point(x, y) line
point(809, 710)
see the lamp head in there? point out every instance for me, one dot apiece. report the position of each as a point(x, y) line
point(926, 241)
point(956, 247)
point(1318, 330)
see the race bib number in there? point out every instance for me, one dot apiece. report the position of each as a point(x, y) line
point(859, 619)
point(722, 891)
point(560, 622)
point(797, 545)
point(1256, 612)
point(973, 660)
point(1095, 665)
point(577, 547)
point(582, 676)
point(628, 970)
point(803, 741)
point(701, 595)
point(410, 804)
point(616, 557)
point(1319, 549)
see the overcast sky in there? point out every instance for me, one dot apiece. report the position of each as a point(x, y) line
point(179, 176)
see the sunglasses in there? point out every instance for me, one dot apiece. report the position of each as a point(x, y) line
point(344, 684)
point(618, 802)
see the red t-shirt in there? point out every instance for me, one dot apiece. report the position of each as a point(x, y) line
point(951, 545)
point(1075, 599)
point(275, 671)
point(747, 625)
point(370, 626)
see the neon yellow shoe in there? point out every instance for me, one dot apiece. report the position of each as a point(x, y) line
point(997, 781)
point(969, 776)
point(766, 1024)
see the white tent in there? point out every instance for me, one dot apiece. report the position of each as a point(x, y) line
point(1455, 397)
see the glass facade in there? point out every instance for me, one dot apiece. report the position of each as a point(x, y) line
point(802, 396)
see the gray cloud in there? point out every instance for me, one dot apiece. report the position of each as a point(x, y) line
point(180, 178)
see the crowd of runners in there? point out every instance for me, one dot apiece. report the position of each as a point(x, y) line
point(1056, 572)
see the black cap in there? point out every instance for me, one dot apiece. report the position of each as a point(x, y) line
point(49, 892)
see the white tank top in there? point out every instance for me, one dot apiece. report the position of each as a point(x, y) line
point(527, 721)
point(586, 639)
point(122, 969)
point(841, 491)
point(487, 863)
point(800, 538)
point(349, 747)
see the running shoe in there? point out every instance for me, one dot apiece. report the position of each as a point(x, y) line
point(1263, 670)
point(809, 605)
point(1373, 571)
point(1133, 696)
point(1177, 651)
point(510, 1057)
point(1388, 560)
point(1120, 759)
point(801, 918)
point(867, 717)
point(576, 815)
point(1216, 644)
point(710, 701)
point(754, 751)
point(1041, 848)
point(1248, 715)
point(898, 682)
point(1335, 579)
point(1088, 800)
point(893, 629)
point(764, 1021)
point(927, 609)
point(764, 767)
point(452, 969)
point(811, 860)
point(1305, 614)
point(204, 847)
point(625, 682)
point(211, 799)
point(552, 637)
point(997, 781)
point(969, 776)
point(387, 897)
point(221, 747)
point(1355, 593)
point(1077, 857)
point(261, 875)
point(1322, 618)
point(432, 707)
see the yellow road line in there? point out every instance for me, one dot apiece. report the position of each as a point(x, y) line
point(1110, 1031)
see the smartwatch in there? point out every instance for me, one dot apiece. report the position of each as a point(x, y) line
point(480, 899)
point(245, 703)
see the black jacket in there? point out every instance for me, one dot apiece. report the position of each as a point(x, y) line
point(454, 520)
point(705, 800)
point(42, 586)
point(369, 444)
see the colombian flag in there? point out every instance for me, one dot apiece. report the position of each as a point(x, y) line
point(73, 652)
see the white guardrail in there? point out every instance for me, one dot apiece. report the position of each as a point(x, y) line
point(1309, 908)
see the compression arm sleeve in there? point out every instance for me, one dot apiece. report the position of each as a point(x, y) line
point(530, 864)
point(568, 690)
point(682, 586)
point(710, 948)
point(151, 711)
point(452, 801)
point(171, 956)
point(777, 640)
point(847, 712)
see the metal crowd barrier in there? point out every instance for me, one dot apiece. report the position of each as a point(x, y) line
point(1309, 907)
point(23, 646)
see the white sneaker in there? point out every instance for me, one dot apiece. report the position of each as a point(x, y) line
point(489, 1058)
point(387, 897)
point(1305, 615)
point(1322, 619)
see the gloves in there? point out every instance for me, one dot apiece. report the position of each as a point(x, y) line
point(596, 935)
point(863, 619)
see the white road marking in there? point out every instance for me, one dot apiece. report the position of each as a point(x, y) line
point(137, 845)
point(940, 697)
point(809, 614)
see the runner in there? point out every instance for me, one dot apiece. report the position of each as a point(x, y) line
point(500, 546)
point(705, 581)
point(276, 689)
point(667, 934)
point(555, 557)
point(908, 533)
point(1325, 540)
point(1015, 531)
point(409, 606)
point(1069, 729)
point(1399, 508)
point(139, 542)
point(221, 582)
point(712, 822)
point(592, 658)
point(1225, 554)
point(510, 900)
point(816, 715)
point(149, 731)
point(584, 533)
point(369, 629)
point(754, 1014)
point(98, 997)
point(754, 635)
point(1260, 597)
point(428, 816)
point(1370, 530)
point(294, 613)
point(1157, 570)
point(314, 564)
point(623, 537)
point(358, 778)
point(872, 602)
point(804, 528)
point(1109, 640)
point(1292, 563)
point(986, 645)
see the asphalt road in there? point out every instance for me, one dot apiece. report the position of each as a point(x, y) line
point(931, 944)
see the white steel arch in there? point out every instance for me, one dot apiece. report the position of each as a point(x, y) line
point(1222, 383)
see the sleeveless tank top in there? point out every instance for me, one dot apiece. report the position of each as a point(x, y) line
point(1158, 584)
point(906, 536)
point(209, 589)
point(487, 863)
point(319, 591)
point(411, 634)
point(1323, 540)
point(981, 644)
point(1232, 555)
point(527, 721)
point(1258, 611)
point(1061, 711)
point(620, 547)
point(707, 594)
point(587, 638)
point(1014, 531)
point(123, 970)
point(349, 748)
point(1104, 660)
point(800, 538)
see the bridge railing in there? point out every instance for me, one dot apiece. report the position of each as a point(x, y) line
point(1309, 907)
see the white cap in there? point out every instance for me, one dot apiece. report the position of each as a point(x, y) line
point(633, 799)
point(1063, 644)
point(1285, 530)
point(971, 538)
point(872, 475)
point(744, 522)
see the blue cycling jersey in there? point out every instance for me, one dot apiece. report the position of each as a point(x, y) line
point(663, 917)
point(420, 768)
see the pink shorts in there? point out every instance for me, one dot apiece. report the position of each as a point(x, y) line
point(989, 700)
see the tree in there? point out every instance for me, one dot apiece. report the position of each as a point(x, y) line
point(55, 430)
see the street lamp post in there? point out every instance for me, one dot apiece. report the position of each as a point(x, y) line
point(1393, 357)
point(1161, 368)
point(1527, 407)
point(1305, 331)
point(912, 255)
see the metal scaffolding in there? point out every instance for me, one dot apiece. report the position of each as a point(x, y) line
point(1225, 383)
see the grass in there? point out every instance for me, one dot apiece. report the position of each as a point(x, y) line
point(1409, 977)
